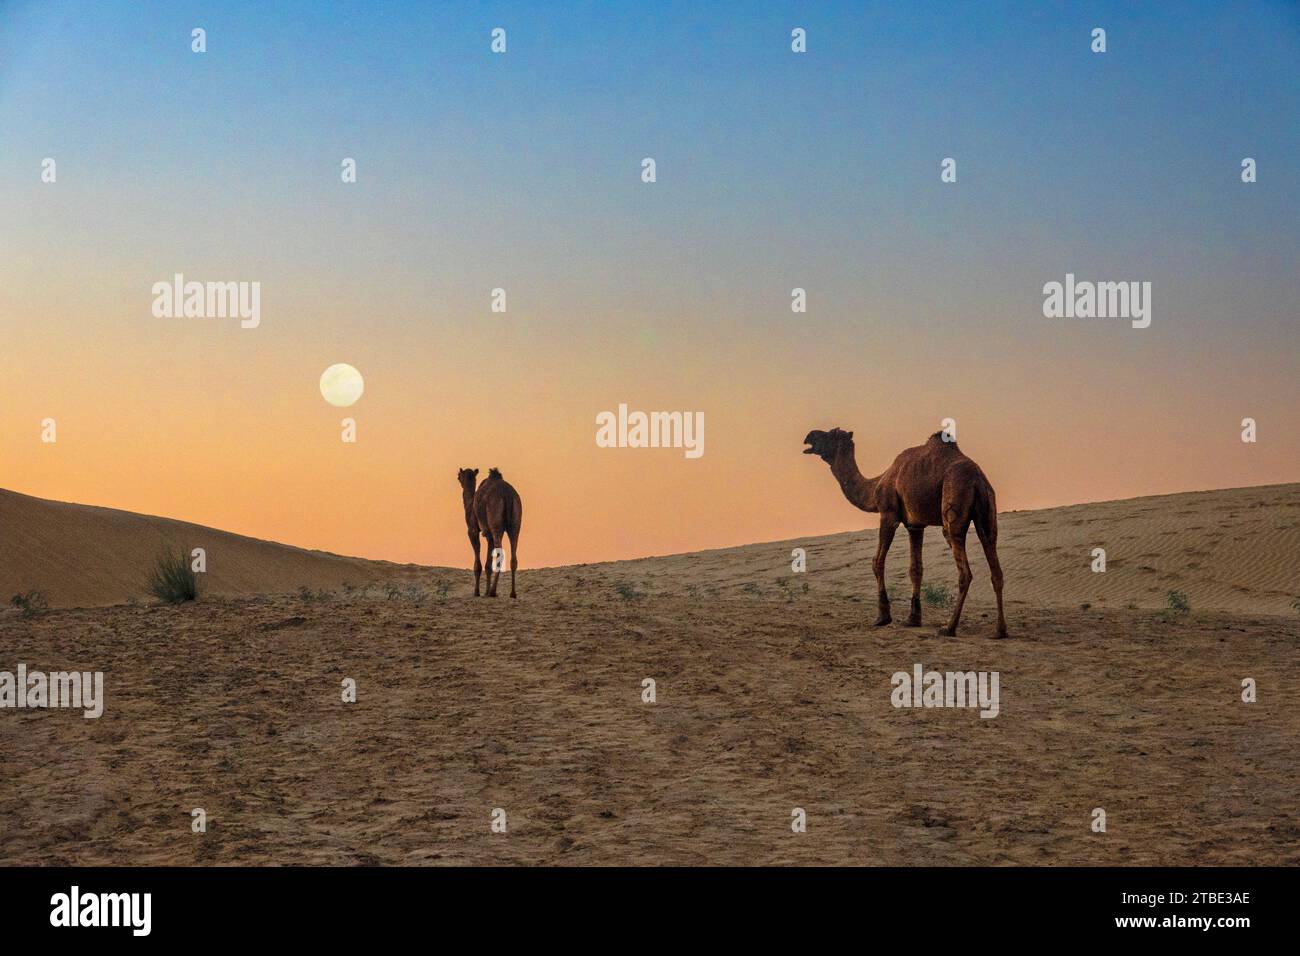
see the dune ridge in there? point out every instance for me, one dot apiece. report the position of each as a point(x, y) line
point(87, 556)
point(1235, 549)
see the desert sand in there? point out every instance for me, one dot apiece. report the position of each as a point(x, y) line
point(773, 692)
point(84, 556)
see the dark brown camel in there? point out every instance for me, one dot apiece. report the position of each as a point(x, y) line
point(931, 484)
point(495, 510)
point(468, 478)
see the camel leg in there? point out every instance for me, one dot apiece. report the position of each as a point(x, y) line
point(957, 537)
point(478, 562)
point(990, 544)
point(492, 544)
point(514, 557)
point(916, 537)
point(882, 548)
point(497, 564)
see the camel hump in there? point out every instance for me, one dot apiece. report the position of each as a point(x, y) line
point(494, 472)
point(937, 439)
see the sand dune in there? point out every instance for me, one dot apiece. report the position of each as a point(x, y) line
point(1231, 550)
point(84, 556)
point(771, 696)
point(1236, 549)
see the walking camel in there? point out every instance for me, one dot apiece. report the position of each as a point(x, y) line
point(495, 510)
point(931, 484)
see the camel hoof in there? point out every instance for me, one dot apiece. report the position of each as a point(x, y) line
point(912, 622)
point(947, 632)
point(883, 620)
point(513, 594)
point(1001, 634)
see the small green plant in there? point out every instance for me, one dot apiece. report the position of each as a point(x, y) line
point(750, 587)
point(1295, 605)
point(627, 591)
point(30, 603)
point(172, 580)
point(1177, 602)
point(936, 595)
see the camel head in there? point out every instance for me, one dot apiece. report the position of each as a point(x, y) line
point(825, 445)
point(467, 478)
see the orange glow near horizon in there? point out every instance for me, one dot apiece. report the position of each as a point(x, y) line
point(223, 427)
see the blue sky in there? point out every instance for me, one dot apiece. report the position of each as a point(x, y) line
point(1100, 160)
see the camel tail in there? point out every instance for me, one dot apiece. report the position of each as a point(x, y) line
point(985, 514)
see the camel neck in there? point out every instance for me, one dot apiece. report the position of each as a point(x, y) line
point(860, 491)
point(467, 495)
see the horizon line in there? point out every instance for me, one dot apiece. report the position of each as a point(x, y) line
point(647, 557)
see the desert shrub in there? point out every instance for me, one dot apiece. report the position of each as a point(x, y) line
point(172, 580)
point(30, 603)
point(1177, 602)
point(627, 591)
point(936, 595)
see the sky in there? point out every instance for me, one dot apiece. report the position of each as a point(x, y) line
point(522, 170)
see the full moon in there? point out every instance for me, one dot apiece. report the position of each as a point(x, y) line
point(341, 385)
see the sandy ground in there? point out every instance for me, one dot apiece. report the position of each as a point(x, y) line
point(534, 706)
point(85, 556)
point(769, 697)
point(1234, 550)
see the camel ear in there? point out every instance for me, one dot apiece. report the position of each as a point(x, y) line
point(476, 471)
point(850, 434)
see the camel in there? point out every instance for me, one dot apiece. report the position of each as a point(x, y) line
point(494, 509)
point(931, 484)
point(468, 478)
